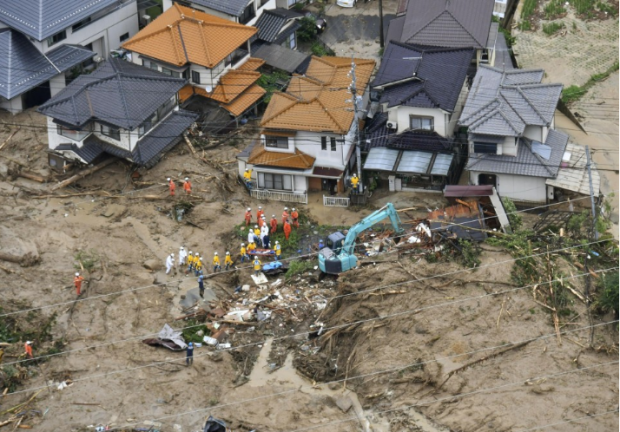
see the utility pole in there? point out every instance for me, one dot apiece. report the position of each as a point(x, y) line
point(589, 166)
point(358, 151)
point(381, 41)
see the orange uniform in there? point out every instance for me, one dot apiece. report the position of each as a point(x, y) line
point(259, 213)
point(287, 229)
point(260, 222)
point(28, 349)
point(295, 216)
point(77, 281)
point(248, 217)
point(172, 187)
point(284, 216)
point(187, 187)
point(274, 225)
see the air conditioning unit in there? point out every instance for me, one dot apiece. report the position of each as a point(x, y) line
point(98, 59)
point(392, 125)
point(146, 19)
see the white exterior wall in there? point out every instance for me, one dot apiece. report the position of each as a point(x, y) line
point(53, 139)
point(534, 133)
point(290, 149)
point(12, 105)
point(300, 183)
point(57, 83)
point(124, 143)
point(310, 143)
point(401, 116)
point(509, 147)
point(108, 29)
point(271, 4)
point(454, 118)
point(516, 187)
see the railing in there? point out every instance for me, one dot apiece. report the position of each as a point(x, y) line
point(335, 201)
point(263, 194)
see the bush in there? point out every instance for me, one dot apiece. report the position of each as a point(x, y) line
point(551, 28)
point(297, 267)
point(307, 30)
point(319, 50)
point(607, 300)
point(514, 218)
point(554, 8)
point(88, 260)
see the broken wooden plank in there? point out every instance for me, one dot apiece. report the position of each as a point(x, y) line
point(6, 141)
point(32, 176)
point(83, 174)
point(189, 144)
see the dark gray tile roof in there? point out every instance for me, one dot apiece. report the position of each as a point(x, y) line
point(23, 67)
point(245, 153)
point(526, 163)
point(280, 57)
point(448, 23)
point(230, 7)
point(376, 133)
point(395, 29)
point(41, 19)
point(410, 140)
point(89, 151)
point(505, 102)
point(163, 137)
point(271, 23)
point(422, 76)
point(119, 93)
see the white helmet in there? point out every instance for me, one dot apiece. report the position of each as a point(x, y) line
point(285, 208)
point(242, 244)
point(262, 217)
point(190, 252)
point(197, 254)
point(168, 179)
point(354, 175)
point(260, 208)
point(249, 209)
point(293, 208)
point(273, 216)
point(182, 248)
point(227, 253)
point(171, 255)
point(77, 274)
point(255, 226)
point(215, 253)
point(277, 242)
point(186, 178)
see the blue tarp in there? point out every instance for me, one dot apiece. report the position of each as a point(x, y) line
point(272, 265)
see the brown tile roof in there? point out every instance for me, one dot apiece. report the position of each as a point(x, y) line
point(245, 100)
point(182, 35)
point(297, 160)
point(232, 84)
point(251, 64)
point(317, 101)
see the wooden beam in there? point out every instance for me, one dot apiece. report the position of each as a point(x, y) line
point(83, 174)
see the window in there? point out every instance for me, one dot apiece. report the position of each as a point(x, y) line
point(323, 143)
point(146, 63)
point(333, 143)
point(147, 125)
point(248, 14)
point(112, 132)
point(124, 37)
point(74, 134)
point(57, 38)
point(276, 142)
point(421, 123)
point(292, 41)
point(154, 66)
point(195, 77)
point(166, 71)
point(275, 181)
point(81, 24)
point(485, 148)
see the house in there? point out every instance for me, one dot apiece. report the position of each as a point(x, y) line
point(211, 52)
point(45, 43)
point(420, 92)
point(512, 143)
point(276, 41)
point(240, 11)
point(448, 23)
point(29, 77)
point(309, 132)
point(121, 109)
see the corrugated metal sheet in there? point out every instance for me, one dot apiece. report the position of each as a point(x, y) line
point(442, 164)
point(381, 159)
point(415, 162)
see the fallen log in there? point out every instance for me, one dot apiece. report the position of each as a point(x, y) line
point(189, 144)
point(6, 141)
point(32, 176)
point(83, 174)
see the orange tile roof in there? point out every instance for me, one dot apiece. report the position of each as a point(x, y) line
point(182, 35)
point(317, 102)
point(251, 64)
point(297, 160)
point(232, 84)
point(245, 100)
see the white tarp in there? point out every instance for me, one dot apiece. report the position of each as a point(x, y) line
point(175, 336)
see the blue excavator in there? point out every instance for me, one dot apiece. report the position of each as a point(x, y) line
point(339, 254)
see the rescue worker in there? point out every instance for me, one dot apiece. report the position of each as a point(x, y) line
point(28, 349)
point(189, 359)
point(284, 215)
point(182, 256)
point(197, 264)
point(260, 222)
point(169, 263)
point(248, 216)
point(247, 176)
point(77, 281)
point(171, 186)
point(190, 262)
point(265, 236)
point(259, 213)
point(354, 182)
point(216, 263)
point(243, 254)
point(228, 260)
point(201, 286)
point(251, 247)
point(274, 224)
point(250, 235)
point(187, 186)
point(257, 235)
point(278, 250)
point(264, 222)
point(257, 265)
point(295, 217)
point(287, 229)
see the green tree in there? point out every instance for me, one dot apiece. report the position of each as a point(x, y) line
point(307, 32)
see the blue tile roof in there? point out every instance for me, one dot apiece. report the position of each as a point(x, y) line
point(230, 7)
point(41, 19)
point(23, 67)
point(119, 93)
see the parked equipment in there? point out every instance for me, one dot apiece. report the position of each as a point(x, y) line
point(339, 254)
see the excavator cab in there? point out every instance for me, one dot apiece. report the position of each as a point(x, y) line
point(335, 240)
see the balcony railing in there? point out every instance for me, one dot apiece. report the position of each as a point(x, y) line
point(335, 201)
point(263, 194)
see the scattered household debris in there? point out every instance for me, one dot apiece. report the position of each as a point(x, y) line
point(168, 338)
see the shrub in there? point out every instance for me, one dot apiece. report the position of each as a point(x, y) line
point(551, 28)
point(307, 30)
point(514, 218)
point(607, 300)
point(297, 267)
